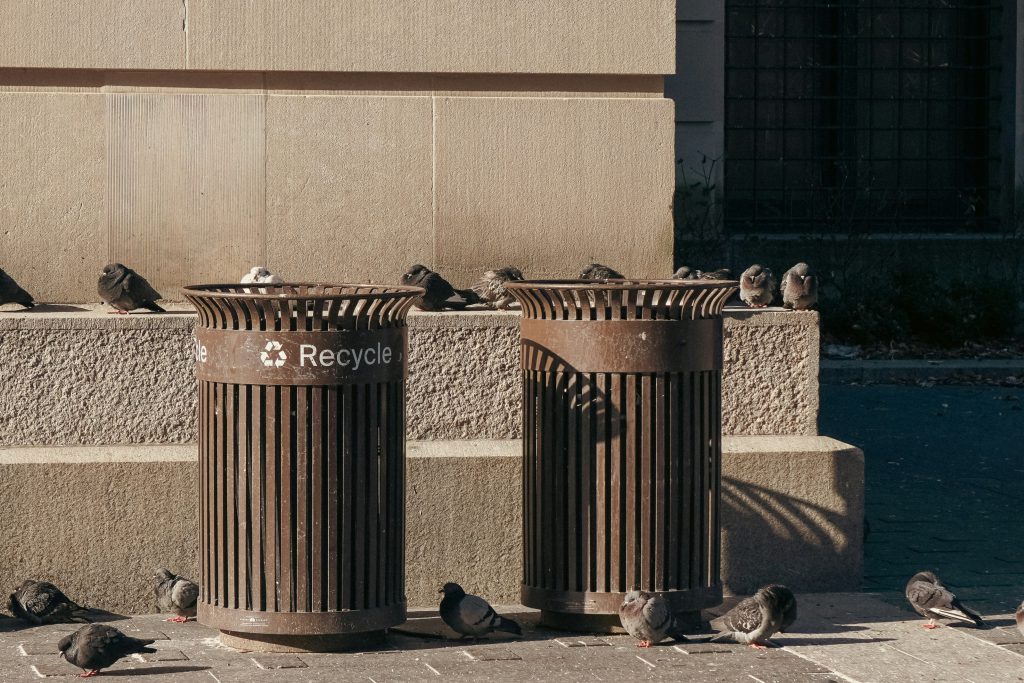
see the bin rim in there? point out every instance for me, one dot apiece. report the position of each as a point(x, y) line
point(621, 284)
point(225, 291)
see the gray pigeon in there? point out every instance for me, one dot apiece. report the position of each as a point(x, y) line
point(720, 274)
point(685, 273)
point(1020, 618)
point(648, 618)
point(39, 602)
point(262, 276)
point(469, 615)
point(491, 289)
point(799, 288)
point(126, 290)
point(438, 292)
point(756, 619)
point(757, 286)
point(931, 599)
point(175, 595)
point(596, 271)
point(12, 293)
point(97, 646)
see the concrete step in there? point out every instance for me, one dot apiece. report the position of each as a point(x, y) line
point(97, 520)
point(74, 375)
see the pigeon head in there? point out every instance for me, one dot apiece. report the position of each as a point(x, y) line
point(64, 644)
point(802, 270)
point(415, 274)
point(636, 596)
point(776, 597)
point(259, 271)
point(114, 269)
point(927, 577)
point(161, 575)
point(684, 273)
point(452, 589)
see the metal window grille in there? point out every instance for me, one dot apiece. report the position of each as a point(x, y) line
point(863, 116)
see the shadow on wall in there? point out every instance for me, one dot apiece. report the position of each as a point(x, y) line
point(772, 534)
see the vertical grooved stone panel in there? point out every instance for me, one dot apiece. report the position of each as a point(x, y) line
point(185, 194)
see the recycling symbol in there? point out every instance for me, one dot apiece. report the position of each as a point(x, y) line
point(272, 355)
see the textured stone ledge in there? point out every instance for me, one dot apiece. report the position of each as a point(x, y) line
point(102, 518)
point(86, 377)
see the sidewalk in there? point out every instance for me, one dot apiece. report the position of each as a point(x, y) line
point(838, 637)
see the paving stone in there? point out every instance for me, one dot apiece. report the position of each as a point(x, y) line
point(278, 662)
point(55, 669)
point(585, 641)
point(165, 656)
point(491, 654)
point(38, 648)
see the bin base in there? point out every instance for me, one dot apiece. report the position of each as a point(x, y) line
point(261, 642)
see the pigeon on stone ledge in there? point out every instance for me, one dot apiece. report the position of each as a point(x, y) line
point(757, 286)
point(40, 602)
point(438, 292)
point(597, 271)
point(12, 293)
point(799, 288)
point(491, 288)
point(126, 290)
point(175, 595)
point(756, 619)
point(648, 618)
point(931, 599)
point(469, 615)
point(97, 646)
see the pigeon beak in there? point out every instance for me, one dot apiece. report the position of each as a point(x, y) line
point(61, 655)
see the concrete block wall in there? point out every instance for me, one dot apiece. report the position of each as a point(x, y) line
point(193, 139)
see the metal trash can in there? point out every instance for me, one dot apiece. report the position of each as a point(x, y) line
point(621, 445)
point(302, 462)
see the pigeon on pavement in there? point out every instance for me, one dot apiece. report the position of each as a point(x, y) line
point(12, 293)
point(39, 602)
point(97, 646)
point(439, 293)
point(685, 273)
point(757, 618)
point(648, 618)
point(469, 615)
point(757, 286)
point(799, 288)
point(126, 290)
point(491, 289)
point(596, 271)
point(261, 276)
point(932, 600)
point(1020, 618)
point(175, 595)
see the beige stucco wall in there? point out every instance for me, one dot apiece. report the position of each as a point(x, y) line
point(193, 139)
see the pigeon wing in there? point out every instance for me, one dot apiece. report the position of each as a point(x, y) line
point(477, 614)
point(743, 618)
point(139, 288)
point(184, 594)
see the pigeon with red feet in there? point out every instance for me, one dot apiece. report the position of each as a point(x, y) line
point(175, 595)
point(97, 646)
point(472, 616)
point(40, 602)
point(932, 600)
point(648, 618)
point(126, 290)
point(754, 620)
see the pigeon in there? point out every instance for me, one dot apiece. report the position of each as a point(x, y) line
point(799, 288)
point(438, 294)
point(39, 602)
point(469, 615)
point(491, 289)
point(97, 646)
point(12, 293)
point(685, 273)
point(757, 286)
point(596, 271)
point(126, 290)
point(648, 618)
point(175, 594)
point(931, 599)
point(756, 619)
point(1020, 618)
point(261, 276)
point(720, 274)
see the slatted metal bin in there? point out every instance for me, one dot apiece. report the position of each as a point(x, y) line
point(302, 460)
point(621, 445)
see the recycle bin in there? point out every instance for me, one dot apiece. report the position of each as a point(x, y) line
point(302, 462)
point(621, 445)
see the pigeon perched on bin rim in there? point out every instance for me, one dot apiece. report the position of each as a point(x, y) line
point(720, 274)
point(98, 646)
point(472, 616)
point(438, 293)
point(648, 618)
point(41, 602)
point(261, 276)
point(598, 271)
point(684, 273)
point(126, 290)
point(799, 288)
point(12, 293)
point(175, 595)
point(771, 610)
point(757, 286)
point(932, 600)
point(491, 288)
